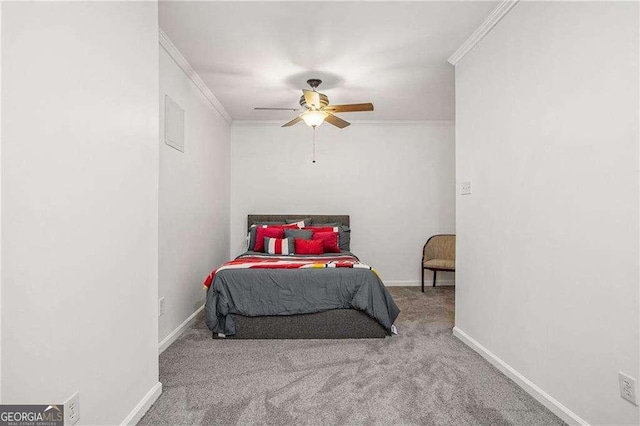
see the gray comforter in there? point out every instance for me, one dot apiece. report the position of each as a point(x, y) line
point(258, 292)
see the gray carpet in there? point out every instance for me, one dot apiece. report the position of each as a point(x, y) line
point(423, 376)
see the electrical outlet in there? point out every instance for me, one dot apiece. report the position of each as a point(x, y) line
point(161, 306)
point(72, 410)
point(465, 188)
point(627, 387)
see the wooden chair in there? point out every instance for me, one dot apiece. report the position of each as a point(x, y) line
point(439, 254)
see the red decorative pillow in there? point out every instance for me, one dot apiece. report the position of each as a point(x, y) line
point(299, 224)
point(266, 232)
point(308, 246)
point(322, 228)
point(329, 241)
point(292, 226)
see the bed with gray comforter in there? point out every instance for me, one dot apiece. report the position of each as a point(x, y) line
point(310, 302)
point(276, 292)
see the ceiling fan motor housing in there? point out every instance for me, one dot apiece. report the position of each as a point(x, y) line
point(324, 101)
point(316, 114)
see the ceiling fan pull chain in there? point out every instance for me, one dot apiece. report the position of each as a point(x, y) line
point(314, 144)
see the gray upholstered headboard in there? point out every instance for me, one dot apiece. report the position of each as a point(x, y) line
point(315, 218)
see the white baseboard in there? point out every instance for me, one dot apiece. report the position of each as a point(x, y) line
point(173, 336)
point(531, 388)
point(427, 283)
point(143, 406)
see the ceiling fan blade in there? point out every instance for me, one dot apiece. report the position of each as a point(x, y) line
point(312, 98)
point(292, 122)
point(275, 109)
point(336, 121)
point(349, 107)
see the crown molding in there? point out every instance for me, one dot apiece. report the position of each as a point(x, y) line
point(487, 25)
point(360, 122)
point(182, 62)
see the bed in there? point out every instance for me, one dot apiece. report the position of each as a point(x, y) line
point(298, 296)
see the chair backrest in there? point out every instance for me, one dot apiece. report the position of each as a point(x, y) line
point(440, 247)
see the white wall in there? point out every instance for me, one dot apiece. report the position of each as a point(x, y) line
point(194, 198)
point(80, 205)
point(0, 204)
point(395, 180)
point(547, 254)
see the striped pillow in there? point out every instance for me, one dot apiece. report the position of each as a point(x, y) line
point(278, 245)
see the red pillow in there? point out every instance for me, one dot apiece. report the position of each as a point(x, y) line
point(321, 229)
point(308, 246)
point(290, 226)
point(266, 232)
point(329, 241)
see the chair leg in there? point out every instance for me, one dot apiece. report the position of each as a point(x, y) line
point(423, 280)
point(434, 278)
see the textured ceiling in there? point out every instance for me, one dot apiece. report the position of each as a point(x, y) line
point(260, 54)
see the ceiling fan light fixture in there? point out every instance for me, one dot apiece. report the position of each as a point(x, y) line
point(314, 118)
point(318, 109)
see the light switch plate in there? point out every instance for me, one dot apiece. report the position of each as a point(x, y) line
point(465, 188)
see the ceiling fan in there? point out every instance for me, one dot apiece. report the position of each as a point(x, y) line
point(318, 109)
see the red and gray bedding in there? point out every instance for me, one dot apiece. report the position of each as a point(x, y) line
point(287, 262)
point(258, 284)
